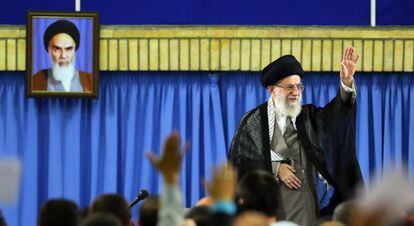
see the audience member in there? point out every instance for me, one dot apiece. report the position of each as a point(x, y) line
point(222, 189)
point(114, 204)
point(148, 211)
point(171, 210)
point(58, 212)
point(331, 223)
point(189, 222)
point(200, 214)
point(83, 212)
point(258, 191)
point(205, 201)
point(251, 218)
point(101, 219)
point(347, 213)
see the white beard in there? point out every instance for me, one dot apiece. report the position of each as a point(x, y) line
point(291, 110)
point(63, 74)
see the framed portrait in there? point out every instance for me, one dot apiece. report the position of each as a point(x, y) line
point(62, 54)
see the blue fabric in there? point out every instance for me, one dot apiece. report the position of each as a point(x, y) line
point(324, 192)
point(224, 12)
point(80, 148)
point(389, 12)
point(227, 207)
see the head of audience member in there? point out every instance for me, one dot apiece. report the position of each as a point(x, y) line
point(113, 204)
point(2, 220)
point(83, 212)
point(251, 218)
point(410, 216)
point(282, 78)
point(200, 214)
point(189, 222)
point(58, 212)
point(101, 219)
point(331, 223)
point(322, 220)
point(148, 211)
point(347, 212)
point(258, 190)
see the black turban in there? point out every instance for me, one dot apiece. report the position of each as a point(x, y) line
point(61, 26)
point(285, 66)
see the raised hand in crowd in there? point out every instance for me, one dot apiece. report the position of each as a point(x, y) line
point(169, 163)
point(223, 183)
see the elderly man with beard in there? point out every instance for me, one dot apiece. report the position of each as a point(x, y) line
point(61, 40)
point(309, 150)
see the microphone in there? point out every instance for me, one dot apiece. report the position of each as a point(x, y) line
point(142, 194)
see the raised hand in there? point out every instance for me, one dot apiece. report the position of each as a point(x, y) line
point(348, 66)
point(170, 161)
point(223, 183)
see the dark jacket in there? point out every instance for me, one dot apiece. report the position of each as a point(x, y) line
point(327, 135)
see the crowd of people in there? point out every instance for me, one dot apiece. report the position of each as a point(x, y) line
point(252, 200)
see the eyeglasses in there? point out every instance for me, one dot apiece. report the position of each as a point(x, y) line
point(291, 87)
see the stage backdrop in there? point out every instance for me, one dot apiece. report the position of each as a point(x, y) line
point(78, 149)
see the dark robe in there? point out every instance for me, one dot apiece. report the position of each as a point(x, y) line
point(327, 135)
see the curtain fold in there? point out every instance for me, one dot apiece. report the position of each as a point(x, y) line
point(80, 148)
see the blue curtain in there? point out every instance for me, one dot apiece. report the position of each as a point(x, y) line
point(80, 148)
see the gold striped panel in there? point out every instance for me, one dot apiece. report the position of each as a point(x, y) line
point(232, 48)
